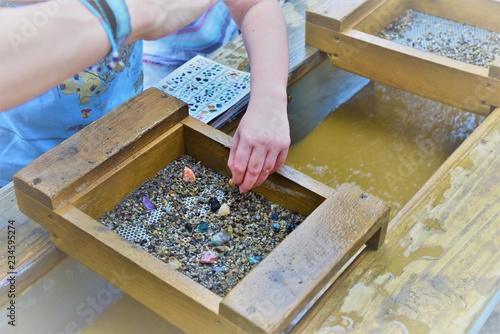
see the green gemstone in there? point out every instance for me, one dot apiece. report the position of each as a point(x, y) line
point(203, 227)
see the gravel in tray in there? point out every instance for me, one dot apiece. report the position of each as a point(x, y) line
point(444, 37)
point(179, 222)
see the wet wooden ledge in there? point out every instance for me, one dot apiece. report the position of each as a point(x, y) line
point(439, 270)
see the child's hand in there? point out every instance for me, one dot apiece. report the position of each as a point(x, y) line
point(260, 145)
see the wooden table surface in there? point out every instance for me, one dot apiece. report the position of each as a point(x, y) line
point(438, 272)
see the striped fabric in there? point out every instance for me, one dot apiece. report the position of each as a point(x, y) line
point(209, 32)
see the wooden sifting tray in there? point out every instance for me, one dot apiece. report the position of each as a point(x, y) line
point(348, 31)
point(69, 187)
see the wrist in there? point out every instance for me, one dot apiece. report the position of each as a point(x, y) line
point(139, 19)
point(272, 95)
point(272, 101)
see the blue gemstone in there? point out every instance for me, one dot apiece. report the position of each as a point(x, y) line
point(255, 259)
point(220, 238)
point(203, 227)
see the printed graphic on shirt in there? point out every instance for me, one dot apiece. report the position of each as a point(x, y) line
point(90, 84)
point(86, 113)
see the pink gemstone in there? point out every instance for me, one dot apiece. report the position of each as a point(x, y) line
point(208, 257)
point(188, 175)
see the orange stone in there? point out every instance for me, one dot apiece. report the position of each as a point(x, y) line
point(188, 175)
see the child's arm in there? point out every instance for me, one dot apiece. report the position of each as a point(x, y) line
point(261, 142)
point(39, 54)
point(43, 44)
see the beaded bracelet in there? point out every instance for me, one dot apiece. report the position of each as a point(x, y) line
point(115, 19)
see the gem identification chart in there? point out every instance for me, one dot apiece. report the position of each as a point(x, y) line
point(209, 88)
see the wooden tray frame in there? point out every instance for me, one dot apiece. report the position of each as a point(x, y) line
point(347, 29)
point(67, 188)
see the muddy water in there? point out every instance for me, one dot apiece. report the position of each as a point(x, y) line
point(128, 316)
point(384, 140)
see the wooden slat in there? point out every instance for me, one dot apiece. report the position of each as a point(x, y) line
point(278, 289)
point(440, 265)
point(478, 13)
point(124, 178)
point(382, 16)
point(303, 69)
point(286, 187)
point(446, 80)
point(303, 195)
point(181, 301)
point(34, 254)
point(340, 14)
point(71, 166)
point(494, 69)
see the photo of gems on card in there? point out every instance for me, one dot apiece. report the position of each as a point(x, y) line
point(208, 87)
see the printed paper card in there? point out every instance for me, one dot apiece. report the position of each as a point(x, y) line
point(209, 88)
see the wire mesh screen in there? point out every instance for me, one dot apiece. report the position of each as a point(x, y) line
point(194, 206)
point(444, 37)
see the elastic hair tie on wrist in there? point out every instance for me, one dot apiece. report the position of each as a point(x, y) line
point(115, 19)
